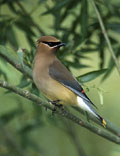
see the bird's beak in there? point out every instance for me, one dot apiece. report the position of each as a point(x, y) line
point(59, 45)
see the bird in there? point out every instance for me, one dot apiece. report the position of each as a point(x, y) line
point(55, 81)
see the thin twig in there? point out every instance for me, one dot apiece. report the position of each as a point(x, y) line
point(106, 36)
point(10, 139)
point(15, 62)
point(28, 14)
point(72, 133)
point(109, 126)
point(101, 132)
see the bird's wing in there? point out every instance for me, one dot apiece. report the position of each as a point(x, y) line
point(60, 73)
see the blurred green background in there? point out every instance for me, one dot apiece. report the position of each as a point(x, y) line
point(26, 129)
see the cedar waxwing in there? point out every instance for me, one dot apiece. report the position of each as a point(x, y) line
point(55, 81)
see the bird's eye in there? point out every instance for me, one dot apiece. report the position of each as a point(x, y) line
point(52, 44)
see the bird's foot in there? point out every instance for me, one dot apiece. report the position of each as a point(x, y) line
point(56, 104)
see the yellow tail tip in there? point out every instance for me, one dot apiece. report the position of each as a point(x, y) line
point(104, 123)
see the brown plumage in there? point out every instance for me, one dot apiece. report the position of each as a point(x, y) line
point(55, 81)
point(52, 89)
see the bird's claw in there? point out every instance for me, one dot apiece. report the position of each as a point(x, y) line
point(56, 104)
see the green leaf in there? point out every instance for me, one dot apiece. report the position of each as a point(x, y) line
point(12, 7)
point(111, 65)
point(30, 126)
point(91, 75)
point(101, 50)
point(84, 18)
point(5, 51)
point(114, 26)
point(20, 56)
point(68, 9)
point(75, 64)
point(88, 50)
point(100, 96)
point(11, 37)
point(3, 74)
point(10, 115)
point(56, 7)
point(24, 82)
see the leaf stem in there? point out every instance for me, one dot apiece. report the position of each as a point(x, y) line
point(106, 36)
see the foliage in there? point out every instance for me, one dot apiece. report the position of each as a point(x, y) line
point(76, 24)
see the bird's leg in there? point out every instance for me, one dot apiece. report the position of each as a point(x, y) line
point(56, 104)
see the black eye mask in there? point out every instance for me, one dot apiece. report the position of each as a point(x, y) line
point(52, 44)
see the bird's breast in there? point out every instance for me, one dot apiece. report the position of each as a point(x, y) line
point(53, 90)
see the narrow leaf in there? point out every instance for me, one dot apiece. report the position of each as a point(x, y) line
point(84, 18)
point(20, 56)
point(91, 75)
point(100, 96)
point(114, 26)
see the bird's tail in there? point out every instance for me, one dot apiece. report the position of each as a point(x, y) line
point(102, 121)
point(86, 106)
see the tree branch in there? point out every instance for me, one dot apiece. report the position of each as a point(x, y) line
point(10, 139)
point(28, 14)
point(64, 113)
point(4, 53)
point(109, 126)
point(71, 131)
point(15, 62)
point(106, 36)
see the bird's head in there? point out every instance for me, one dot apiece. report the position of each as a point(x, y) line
point(49, 44)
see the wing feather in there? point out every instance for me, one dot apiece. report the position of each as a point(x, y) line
point(60, 73)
